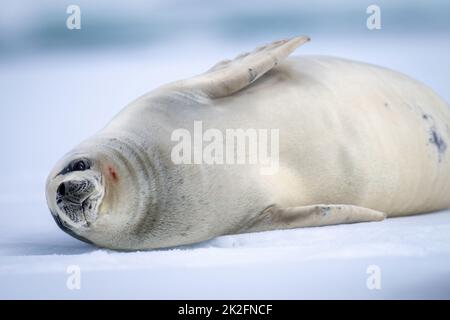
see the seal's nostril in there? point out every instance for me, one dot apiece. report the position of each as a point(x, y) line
point(61, 189)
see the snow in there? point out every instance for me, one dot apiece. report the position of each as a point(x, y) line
point(50, 101)
point(413, 255)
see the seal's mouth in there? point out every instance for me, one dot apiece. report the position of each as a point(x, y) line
point(78, 200)
point(66, 228)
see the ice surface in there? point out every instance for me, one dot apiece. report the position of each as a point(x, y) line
point(413, 255)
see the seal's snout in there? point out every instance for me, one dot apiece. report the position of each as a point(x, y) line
point(61, 192)
point(78, 198)
point(75, 190)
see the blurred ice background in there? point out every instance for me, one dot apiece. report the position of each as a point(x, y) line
point(58, 86)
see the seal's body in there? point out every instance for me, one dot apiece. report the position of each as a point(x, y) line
point(356, 143)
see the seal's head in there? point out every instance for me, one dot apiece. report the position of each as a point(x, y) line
point(75, 191)
point(104, 192)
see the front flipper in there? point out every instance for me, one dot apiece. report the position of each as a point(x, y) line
point(310, 216)
point(230, 76)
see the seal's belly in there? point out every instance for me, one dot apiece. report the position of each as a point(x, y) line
point(352, 133)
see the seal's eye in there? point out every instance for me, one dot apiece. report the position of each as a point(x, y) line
point(76, 165)
point(80, 165)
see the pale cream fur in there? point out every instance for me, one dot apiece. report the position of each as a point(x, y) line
point(357, 142)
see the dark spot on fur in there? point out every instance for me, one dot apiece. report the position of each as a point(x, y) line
point(251, 75)
point(437, 140)
point(326, 210)
point(386, 105)
point(113, 174)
